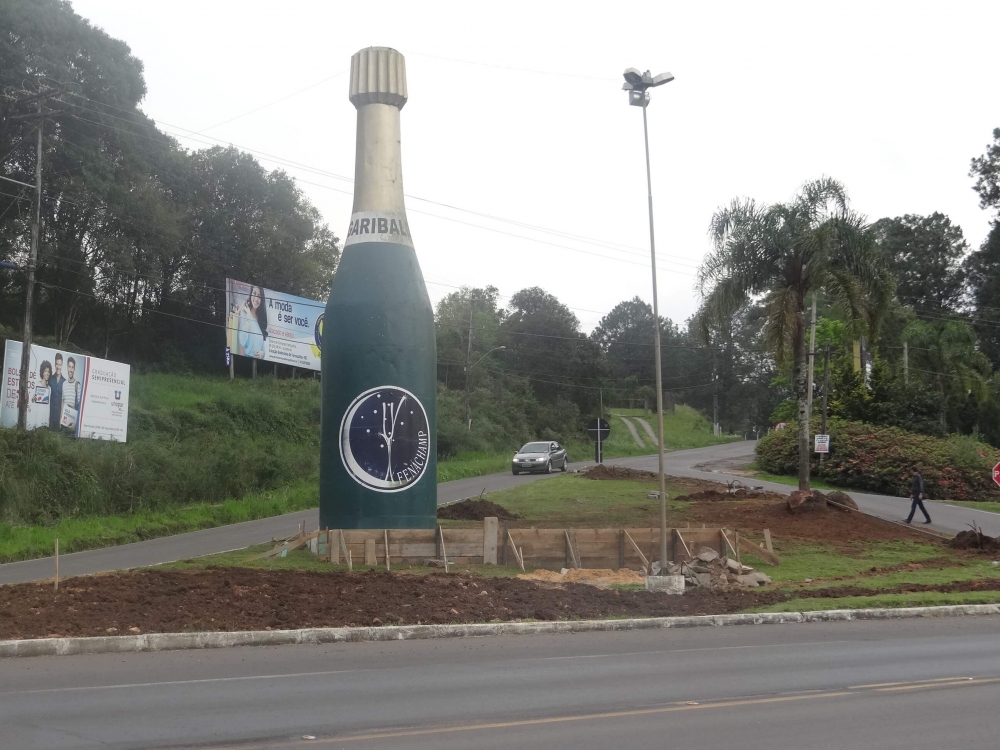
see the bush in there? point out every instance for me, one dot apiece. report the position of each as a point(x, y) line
point(868, 457)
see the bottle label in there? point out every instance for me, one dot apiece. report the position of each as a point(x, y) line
point(379, 226)
point(385, 439)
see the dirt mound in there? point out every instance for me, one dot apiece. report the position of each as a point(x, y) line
point(975, 540)
point(227, 599)
point(593, 576)
point(739, 494)
point(475, 510)
point(601, 471)
point(753, 515)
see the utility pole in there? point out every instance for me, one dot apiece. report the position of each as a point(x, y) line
point(600, 453)
point(826, 391)
point(906, 362)
point(39, 98)
point(812, 360)
point(715, 397)
point(29, 286)
point(468, 356)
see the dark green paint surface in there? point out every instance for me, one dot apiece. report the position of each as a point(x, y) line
point(378, 330)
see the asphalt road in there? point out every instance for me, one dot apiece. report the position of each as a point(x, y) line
point(701, 463)
point(901, 684)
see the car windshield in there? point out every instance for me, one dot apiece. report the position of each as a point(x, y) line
point(535, 448)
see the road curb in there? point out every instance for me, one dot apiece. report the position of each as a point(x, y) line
point(177, 641)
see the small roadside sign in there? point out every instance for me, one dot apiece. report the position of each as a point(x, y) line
point(598, 428)
point(996, 473)
point(822, 443)
point(780, 425)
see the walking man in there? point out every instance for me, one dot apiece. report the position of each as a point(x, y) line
point(917, 496)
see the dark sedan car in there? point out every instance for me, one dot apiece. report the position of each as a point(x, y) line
point(544, 457)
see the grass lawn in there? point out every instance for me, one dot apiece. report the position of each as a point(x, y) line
point(77, 534)
point(571, 500)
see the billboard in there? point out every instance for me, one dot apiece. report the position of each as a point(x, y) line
point(272, 326)
point(82, 396)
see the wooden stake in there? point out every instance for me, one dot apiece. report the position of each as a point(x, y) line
point(737, 545)
point(683, 544)
point(642, 557)
point(57, 566)
point(729, 544)
point(572, 552)
point(767, 540)
point(444, 554)
point(332, 553)
point(344, 551)
point(386, 532)
point(517, 556)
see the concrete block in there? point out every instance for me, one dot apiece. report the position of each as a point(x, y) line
point(667, 584)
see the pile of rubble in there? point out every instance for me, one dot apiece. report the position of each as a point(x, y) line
point(709, 570)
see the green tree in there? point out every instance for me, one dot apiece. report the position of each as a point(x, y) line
point(544, 343)
point(783, 252)
point(986, 170)
point(983, 273)
point(945, 355)
point(925, 255)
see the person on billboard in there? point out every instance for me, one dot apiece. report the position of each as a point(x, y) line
point(253, 324)
point(72, 391)
point(55, 393)
point(42, 388)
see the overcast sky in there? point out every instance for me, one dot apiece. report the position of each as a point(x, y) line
point(516, 112)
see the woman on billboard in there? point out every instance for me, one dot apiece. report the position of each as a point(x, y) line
point(253, 324)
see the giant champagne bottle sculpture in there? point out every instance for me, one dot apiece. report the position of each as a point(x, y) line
point(378, 465)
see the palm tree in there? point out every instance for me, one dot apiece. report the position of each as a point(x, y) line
point(781, 253)
point(946, 351)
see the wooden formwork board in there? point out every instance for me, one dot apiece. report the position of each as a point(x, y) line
point(541, 548)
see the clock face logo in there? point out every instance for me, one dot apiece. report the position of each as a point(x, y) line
point(385, 439)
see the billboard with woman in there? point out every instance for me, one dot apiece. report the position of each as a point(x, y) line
point(271, 326)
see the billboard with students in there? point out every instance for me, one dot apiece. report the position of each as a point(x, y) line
point(272, 326)
point(77, 395)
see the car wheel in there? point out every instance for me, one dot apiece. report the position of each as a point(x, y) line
point(548, 467)
point(565, 466)
point(515, 472)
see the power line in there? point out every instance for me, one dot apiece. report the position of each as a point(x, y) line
point(326, 173)
point(276, 101)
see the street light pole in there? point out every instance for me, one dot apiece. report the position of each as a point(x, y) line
point(637, 84)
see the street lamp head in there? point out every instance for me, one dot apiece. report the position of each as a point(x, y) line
point(501, 347)
point(637, 83)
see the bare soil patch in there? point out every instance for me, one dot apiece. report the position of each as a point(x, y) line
point(740, 494)
point(226, 599)
point(592, 576)
point(825, 525)
point(603, 471)
point(221, 599)
point(475, 510)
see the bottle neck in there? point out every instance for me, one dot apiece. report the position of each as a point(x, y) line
point(378, 168)
point(379, 214)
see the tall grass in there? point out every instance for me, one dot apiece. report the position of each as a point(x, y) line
point(191, 440)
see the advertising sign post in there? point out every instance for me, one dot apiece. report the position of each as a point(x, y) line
point(272, 326)
point(78, 395)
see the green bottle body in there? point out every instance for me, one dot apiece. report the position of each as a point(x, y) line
point(378, 451)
